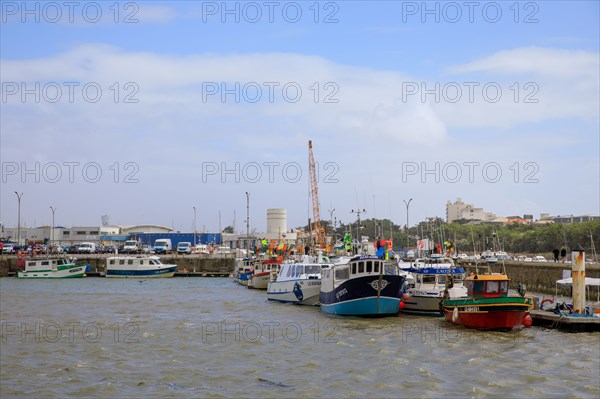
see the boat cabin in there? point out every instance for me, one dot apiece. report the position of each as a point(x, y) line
point(133, 261)
point(436, 276)
point(300, 271)
point(487, 285)
point(360, 266)
point(46, 265)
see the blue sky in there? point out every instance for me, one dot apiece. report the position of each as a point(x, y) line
point(543, 56)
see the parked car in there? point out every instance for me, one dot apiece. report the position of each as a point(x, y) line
point(131, 247)
point(9, 248)
point(184, 248)
point(108, 249)
point(539, 258)
point(87, 248)
point(147, 249)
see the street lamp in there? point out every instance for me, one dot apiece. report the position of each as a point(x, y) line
point(19, 196)
point(407, 205)
point(358, 228)
point(52, 230)
point(194, 226)
point(331, 220)
point(247, 220)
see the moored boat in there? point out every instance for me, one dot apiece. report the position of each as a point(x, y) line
point(363, 286)
point(298, 283)
point(427, 281)
point(138, 266)
point(261, 275)
point(244, 270)
point(52, 268)
point(488, 305)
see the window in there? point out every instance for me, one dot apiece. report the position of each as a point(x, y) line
point(81, 233)
point(504, 286)
point(441, 278)
point(478, 286)
point(121, 261)
point(289, 271)
point(390, 270)
point(130, 261)
point(93, 233)
point(492, 287)
point(354, 268)
point(45, 263)
point(376, 267)
point(429, 279)
point(369, 266)
point(66, 233)
point(361, 267)
point(342, 273)
point(112, 262)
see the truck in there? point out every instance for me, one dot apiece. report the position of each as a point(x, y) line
point(163, 246)
point(131, 247)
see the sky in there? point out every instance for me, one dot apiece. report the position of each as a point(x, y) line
point(144, 110)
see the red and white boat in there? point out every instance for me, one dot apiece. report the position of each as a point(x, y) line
point(262, 273)
point(488, 305)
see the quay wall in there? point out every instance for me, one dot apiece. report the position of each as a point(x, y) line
point(190, 263)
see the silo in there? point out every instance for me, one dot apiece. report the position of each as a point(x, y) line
point(276, 220)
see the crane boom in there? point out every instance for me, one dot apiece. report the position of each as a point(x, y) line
point(314, 190)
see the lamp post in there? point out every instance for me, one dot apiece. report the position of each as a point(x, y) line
point(331, 221)
point(247, 220)
point(19, 196)
point(358, 228)
point(52, 229)
point(407, 205)
point(195, 242)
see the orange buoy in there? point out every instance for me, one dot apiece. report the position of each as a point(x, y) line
point(527, 321)
point(406, 296)
point(401, 305)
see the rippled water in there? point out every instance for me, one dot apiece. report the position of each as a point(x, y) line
point(209, 337)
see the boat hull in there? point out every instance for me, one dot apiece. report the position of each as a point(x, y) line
point(428, 305)
point(70, 272)
point(141, 273)
point(358, 296)
point(302, 292)
point(260, 281)
point(488, 313)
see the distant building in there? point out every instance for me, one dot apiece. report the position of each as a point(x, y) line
point(575, 219)
point(459, 210)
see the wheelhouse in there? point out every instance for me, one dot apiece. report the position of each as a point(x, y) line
point(487, 286)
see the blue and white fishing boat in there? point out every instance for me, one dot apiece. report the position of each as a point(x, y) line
point(427, 280)
point(298, 283)
point(138, 267)
point(363, 286)
point(244, 271)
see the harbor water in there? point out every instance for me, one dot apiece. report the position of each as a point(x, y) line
point(209, 337)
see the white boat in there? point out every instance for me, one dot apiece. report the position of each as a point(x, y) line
point(138, 267)
point(297, 282)
point(426, 282)
point(261, 275)
point(52, 268)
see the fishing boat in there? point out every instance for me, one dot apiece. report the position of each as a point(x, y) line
point(298, 283)
point(261, 276)
point(363, 286)
point(488, 305)
point(138, 266)
point(244, 270)
point(427, 281)
point(52, 268)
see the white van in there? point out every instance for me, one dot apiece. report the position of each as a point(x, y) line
point(87, 248)
point(163, 246)
point(131, 247)
point(184, 248)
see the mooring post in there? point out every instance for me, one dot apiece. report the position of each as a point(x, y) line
point(578, 275)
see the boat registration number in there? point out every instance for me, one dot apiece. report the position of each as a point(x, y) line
point(471, 309)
